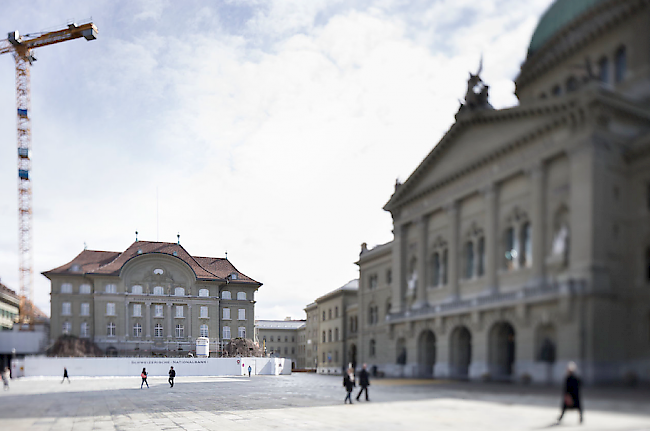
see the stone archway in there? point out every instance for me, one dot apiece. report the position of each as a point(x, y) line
point(501, 350)
point(461, 352)
point(426, 353)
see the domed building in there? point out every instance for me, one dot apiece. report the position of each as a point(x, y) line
point(522, 240)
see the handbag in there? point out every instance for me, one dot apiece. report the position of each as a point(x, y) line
point(143, 375)
point(568, 400)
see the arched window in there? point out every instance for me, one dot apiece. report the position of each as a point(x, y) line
point(647, 264)
point(66, 288)
point(481, 257)
point(136, 290)
point(526, 254)
point(241, 296)
point(204, 292)
point(435, 269)
point(557, 90)
point(620, 64)
point(469, 259)
point(401, 352)
point(110, 329)
point(203, 331)
point(571, 84)
point(603, 70)
point(137, 330)
point(372, 349)
point(226, 295)
point(158, 330)
point(158, 290)
point(179, 291)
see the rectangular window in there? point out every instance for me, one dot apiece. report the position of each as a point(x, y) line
point(137, 310)
point(65, 309)
point(136, 290)
point(203, 331)
point(389, 276)
point(111, 288)
point(110, 329)
point(137, 330)
point(226, 333)
point(204, 312)
point(226, 314)
point(85, 309)
point(242, 332)
point(158, 311)
point(158, 330)
point(84, 288)
point(110, 309)
point(179, 311)
point(481, 256)
point(66, 327)
point(66, 288)
point(85, 332)
point(242, 314)
point(180, 331)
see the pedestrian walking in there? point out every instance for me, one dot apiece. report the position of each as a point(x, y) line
point(349, 384)
point(571, 393)
point(6, 375)
point(144, 375)
point(364, 382)
point(65, 375)
point(249, 370)
point(172, 374)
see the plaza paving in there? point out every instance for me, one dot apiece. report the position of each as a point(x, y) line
point(305, 402)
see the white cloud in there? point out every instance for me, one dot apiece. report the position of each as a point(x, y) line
point(279, 143)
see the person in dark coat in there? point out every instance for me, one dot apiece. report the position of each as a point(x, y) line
point(65, 375)
point(571, 393)
point(172, 374)
point(349, 384)
point(144, 375)
point(363, 382)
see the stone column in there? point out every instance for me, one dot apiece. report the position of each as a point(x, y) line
point(421, 292)
point(169, 320)
point(147, 323)
point(399, 275)
point(126, 319)
point(538, 196)
point(492, 236)
point(189, 321)
point(453, 214)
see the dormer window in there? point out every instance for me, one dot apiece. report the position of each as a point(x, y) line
point(75, 268)
point(233, 276)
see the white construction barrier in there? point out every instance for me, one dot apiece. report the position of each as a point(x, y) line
point(94, 367)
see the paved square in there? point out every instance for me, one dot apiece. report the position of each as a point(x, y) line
point(304, 402)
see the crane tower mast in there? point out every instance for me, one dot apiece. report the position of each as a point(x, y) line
point(21, 48)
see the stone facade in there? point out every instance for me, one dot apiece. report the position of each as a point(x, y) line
point(280, 338)
point(153, 298)
point(522, 240)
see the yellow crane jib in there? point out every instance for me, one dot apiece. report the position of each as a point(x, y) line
point(21, 47)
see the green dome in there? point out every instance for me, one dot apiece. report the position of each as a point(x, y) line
point(556, 17)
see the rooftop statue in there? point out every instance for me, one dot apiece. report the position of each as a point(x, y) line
point(477, 92)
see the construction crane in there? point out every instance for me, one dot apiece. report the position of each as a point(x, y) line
point(21, 47)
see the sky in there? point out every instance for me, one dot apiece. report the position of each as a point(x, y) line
point(273, 130)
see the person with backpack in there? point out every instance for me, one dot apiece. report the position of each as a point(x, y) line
point(144, 378)
point(172, 374)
